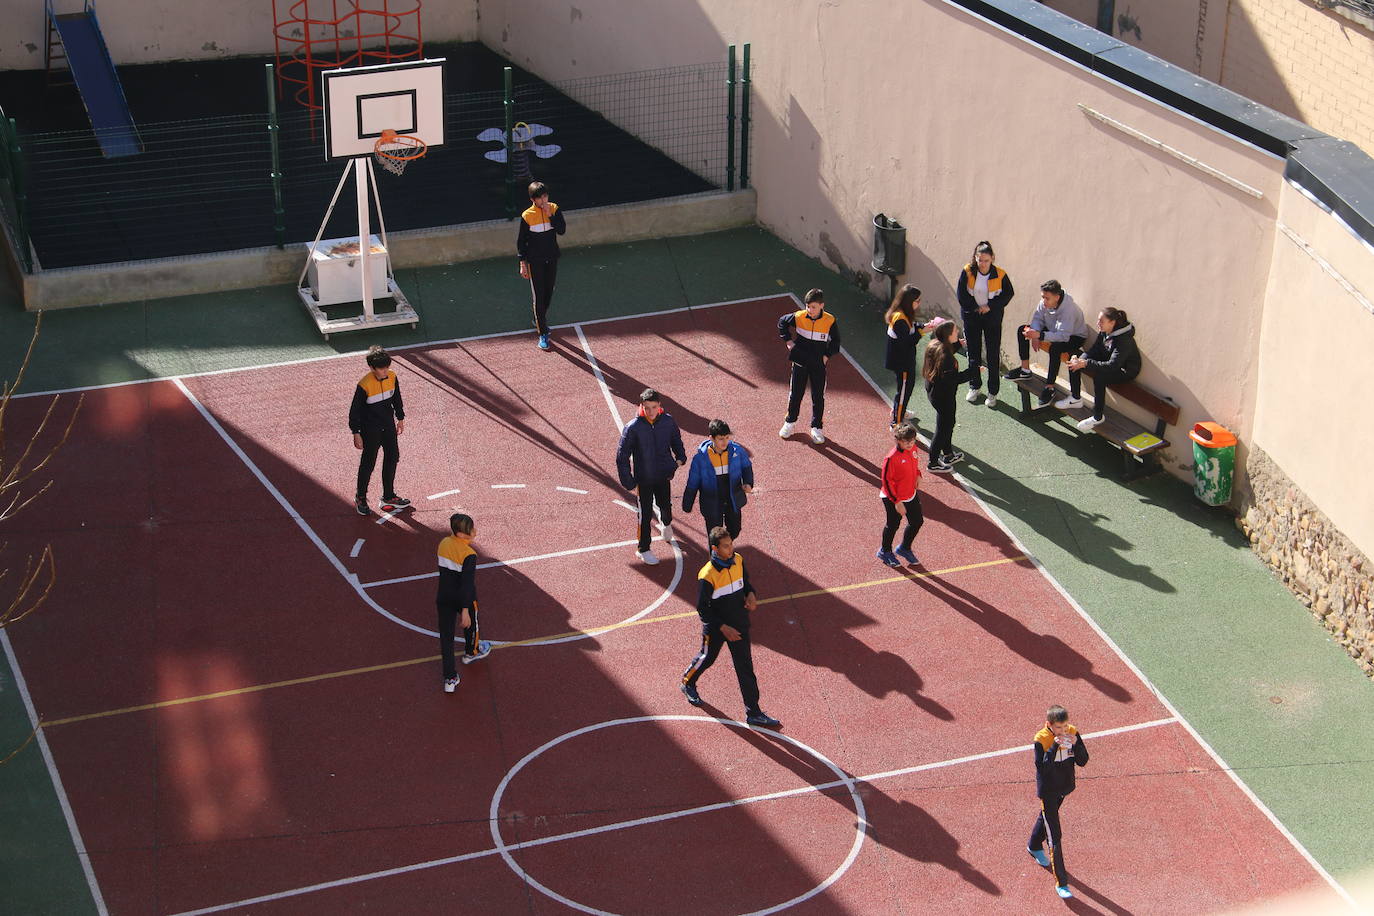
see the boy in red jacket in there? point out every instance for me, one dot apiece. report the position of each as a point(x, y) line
point(901, 478)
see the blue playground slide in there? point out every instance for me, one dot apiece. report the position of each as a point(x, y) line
point(97, 82)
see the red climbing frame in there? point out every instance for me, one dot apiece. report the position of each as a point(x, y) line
point(385, 31)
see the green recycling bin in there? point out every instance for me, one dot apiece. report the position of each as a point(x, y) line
point(1214, 462)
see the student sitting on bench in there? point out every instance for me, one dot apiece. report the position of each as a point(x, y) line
point(1112, 359)
point(1058, 321)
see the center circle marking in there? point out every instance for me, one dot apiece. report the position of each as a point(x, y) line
point(861, 815)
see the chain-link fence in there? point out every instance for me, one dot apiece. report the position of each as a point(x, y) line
point(13, 203)
point(206, 185)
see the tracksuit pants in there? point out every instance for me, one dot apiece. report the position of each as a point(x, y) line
point(906, 383)
point(740, 654)
point(385, 440)
point(649, 493)
point(1072, 346)
point(543, 276)
point(448, 624)
point(1047, 833)
point(802, 376)
point(1102, 380)
point(914, 519)
point(726, 515)
point(942, 443)
point(984, 336)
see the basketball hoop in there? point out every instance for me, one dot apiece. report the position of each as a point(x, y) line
point(394, 151)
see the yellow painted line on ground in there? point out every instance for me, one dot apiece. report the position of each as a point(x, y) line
point(428, 659)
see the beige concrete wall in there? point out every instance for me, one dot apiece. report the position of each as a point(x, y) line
point(1311, 63)
point(1315, 346)
point(147, 31)
point(840, 136)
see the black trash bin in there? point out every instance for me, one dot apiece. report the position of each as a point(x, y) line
point(889, 246)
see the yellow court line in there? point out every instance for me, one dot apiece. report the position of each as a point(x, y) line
point(595, 631)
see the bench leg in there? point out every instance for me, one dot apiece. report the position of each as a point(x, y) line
point(1025, 402)
point(1134, 468)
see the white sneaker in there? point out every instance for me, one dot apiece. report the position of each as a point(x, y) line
point(973, 394)
point(817, 436)
point(648, 557)
point(1090, 423)
point(668, 533)
point(786, 430)
point(1068, 403)
point(991, 401)
point(451, 684)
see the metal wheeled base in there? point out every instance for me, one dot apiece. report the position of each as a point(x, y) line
point(404, 314)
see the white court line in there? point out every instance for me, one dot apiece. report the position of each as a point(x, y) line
point(415, 346)
point(388, 516)
point(621, 502)
point(654, 819)
point(600, 379)
point(1111, 643)
point(445, 493)
point(41, 739)
point(508, 486)
point(357, 547)
point(290, 510)
point(514, 562)
point(571, 490)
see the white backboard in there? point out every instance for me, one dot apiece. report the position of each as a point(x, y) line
point(361, 102)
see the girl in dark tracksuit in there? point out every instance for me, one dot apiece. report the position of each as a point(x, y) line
point(1058, 748)
point(902, 334)
point(984, 291)
point(943, 378)
point(1112, 359)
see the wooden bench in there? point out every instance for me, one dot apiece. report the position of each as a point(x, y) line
point(1139, 456)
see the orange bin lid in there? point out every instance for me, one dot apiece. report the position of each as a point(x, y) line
point(1212, 435)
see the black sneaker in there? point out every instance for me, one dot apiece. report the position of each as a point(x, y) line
point(939, 466)
point(762, 719)
point(691, 694)
point(392, 503)
point(361, 505)
point(954, 456)
point(1016, 375)
point(1048, 395)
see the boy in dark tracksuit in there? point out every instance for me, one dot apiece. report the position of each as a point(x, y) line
point(1058, 748)
point(812, 336)
point(649, 454)
point(725, 597)
point(457, 597)
point(376, 417)
point(537, 244)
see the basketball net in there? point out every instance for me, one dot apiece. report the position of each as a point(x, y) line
point(394, 151)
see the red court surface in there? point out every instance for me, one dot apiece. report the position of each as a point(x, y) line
point(209, 554)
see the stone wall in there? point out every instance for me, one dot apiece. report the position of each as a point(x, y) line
point(1313, 559)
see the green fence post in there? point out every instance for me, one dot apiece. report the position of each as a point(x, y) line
point(730, 121)
point(21, 201)
point(274, 136)
point(508, 101)
point(744, 123)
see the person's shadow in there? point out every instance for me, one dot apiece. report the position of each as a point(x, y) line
point(628, 388)
point(1040, 649)
point(909, 830)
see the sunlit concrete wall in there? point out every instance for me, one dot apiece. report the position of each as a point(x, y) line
point(1299, 57)
point(965, 132)
point(147, 31)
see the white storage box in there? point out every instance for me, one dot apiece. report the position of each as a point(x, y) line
point(335, 273)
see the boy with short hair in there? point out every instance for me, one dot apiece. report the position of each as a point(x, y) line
point(537, 244)
point(456, 599)
point(1060, 323)
point(725, 598)
point(724, 476)
point(1058, 748)
point(901, 479)
point(649, 454)
point(376, 417)
point(813, 336)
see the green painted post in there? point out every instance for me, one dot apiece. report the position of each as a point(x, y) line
point(18, 184)
point(744, 123)
point(508, 100)
point(1106, 13)
point(730, 121)
point(274, 137)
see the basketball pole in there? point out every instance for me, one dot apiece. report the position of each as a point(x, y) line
point(364, 188)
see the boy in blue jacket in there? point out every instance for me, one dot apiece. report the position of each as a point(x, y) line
point(723, 475)
point(649, 454)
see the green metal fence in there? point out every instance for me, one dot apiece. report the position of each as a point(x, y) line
point(13, 194)
point(243, 181)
